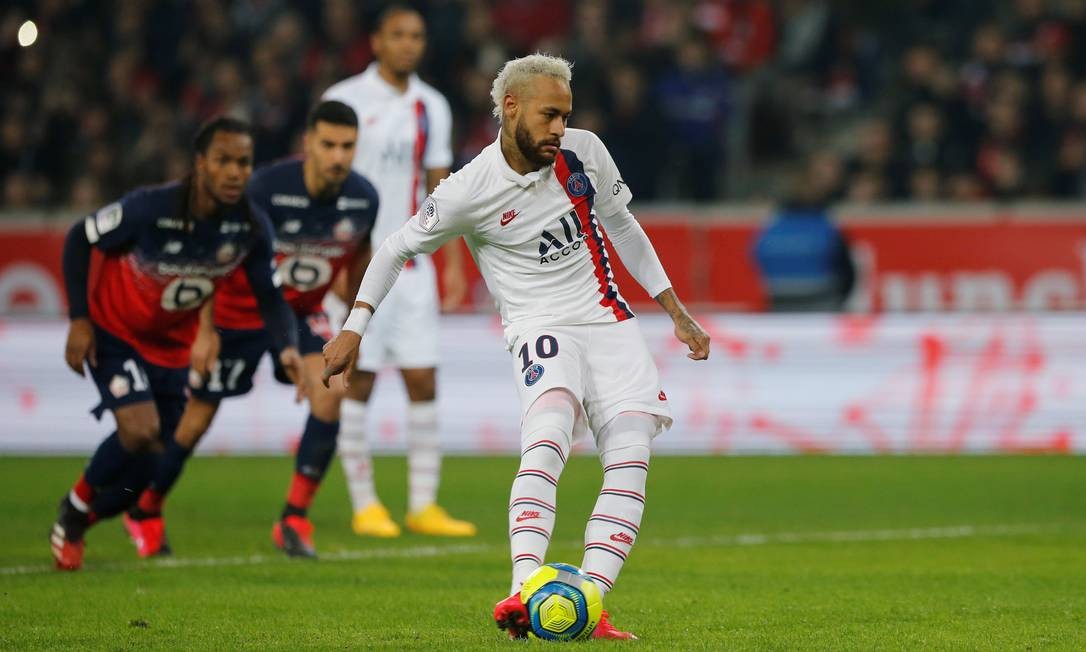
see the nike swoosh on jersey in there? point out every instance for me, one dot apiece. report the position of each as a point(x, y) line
point(509, 216)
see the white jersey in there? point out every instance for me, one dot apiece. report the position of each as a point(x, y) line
point(400, 136)
point(537, 238)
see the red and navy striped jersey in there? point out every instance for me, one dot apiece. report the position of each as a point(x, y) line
point(313, 239)
point(155, 268)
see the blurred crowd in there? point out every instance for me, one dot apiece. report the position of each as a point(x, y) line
point(698, 100)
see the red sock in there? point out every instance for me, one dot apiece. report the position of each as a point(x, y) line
point(83, 493)
point(301, 493)
point(151, 502)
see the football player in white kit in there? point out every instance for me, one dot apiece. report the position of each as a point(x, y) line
point(531, 207)
point(404, 149)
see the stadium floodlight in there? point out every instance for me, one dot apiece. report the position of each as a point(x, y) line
point(28, 34)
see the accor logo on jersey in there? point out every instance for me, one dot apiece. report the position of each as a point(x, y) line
point(553, 248)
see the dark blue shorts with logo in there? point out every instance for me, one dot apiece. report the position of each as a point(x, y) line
point(125, 378)
point(242, 350)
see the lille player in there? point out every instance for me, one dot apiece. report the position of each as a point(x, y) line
point(405, 149)
point(321, 214)
point(163, 251)
point(531, 207)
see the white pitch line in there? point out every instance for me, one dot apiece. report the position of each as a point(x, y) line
point(419, 552)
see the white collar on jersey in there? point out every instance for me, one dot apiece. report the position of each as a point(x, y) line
point(375, 78)
point(522, 180)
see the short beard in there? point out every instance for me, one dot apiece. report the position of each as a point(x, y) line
point(529, 149)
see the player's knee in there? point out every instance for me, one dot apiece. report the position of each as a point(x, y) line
point(140, 436)
point(361, 385)
point(325, 409)
point(628, 430)
point(421, 386)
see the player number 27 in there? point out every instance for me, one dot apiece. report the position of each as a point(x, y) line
point(545, 347)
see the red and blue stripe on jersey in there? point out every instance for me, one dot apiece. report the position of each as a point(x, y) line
point(566, 165)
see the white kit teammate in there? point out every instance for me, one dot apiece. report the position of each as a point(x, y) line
point(404, 149)
point(531, 207)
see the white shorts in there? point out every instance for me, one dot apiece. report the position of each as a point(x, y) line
point(607, 368)
point(403, 331)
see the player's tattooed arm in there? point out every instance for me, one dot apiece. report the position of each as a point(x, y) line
point(687, 329)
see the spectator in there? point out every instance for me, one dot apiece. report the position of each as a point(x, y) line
point(802, 258)
point(992, 95)
point(694, 102)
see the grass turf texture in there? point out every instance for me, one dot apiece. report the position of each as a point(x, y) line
point(848, 560)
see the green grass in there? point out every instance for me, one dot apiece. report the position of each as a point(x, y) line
point(696, 580)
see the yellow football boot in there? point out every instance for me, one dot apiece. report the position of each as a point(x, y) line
point(435, 521)
point(374, 521)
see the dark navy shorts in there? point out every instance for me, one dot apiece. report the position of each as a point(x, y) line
point(242, 351)
point(124, 377)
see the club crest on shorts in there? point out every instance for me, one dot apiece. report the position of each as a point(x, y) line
point(577, 184)
point(534, 373)
point(120, 387)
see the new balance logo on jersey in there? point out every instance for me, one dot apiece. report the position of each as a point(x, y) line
point(622, 537)
point(291, 201)
point(552, 249)
point(292, 226)
point(172, 247)
point(527, 515)
point(509, 216)
point(352, 204)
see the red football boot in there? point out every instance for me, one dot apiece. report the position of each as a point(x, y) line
point(606, 630)
point(512, 615)
point(294, 536)
point(68, 555)
point(66, 536)
point(149, 535)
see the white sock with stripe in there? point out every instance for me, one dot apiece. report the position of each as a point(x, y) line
point(546, 438)
point(625, 444)
point(354, 453)
point(423, 455)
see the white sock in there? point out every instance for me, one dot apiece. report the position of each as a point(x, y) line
point(546, 438)
point(354, 452)
point(423, 455)
point(624, 445)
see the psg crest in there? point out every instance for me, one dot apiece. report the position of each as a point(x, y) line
point(534, 373)
point(577, 184)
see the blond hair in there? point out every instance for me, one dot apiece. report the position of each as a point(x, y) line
point(516, 72)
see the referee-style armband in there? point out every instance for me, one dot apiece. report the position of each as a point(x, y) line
point(357, 321)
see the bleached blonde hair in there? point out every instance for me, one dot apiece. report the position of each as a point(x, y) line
point(516, 72)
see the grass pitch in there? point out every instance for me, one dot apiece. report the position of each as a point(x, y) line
point(735, 553)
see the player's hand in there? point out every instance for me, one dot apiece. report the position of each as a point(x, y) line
point(454, 282)
point(693, 335)
point(205, 353)
point(80, 345)
point(291, 362)
point(340, 355)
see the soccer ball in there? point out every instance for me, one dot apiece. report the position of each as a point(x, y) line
point(563, 603)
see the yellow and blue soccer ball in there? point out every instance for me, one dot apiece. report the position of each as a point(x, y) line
point(563, 603)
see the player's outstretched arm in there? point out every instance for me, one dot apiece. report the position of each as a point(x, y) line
point(80, 345)
point(340, 354)
point(206, 346)
point(687, 329)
